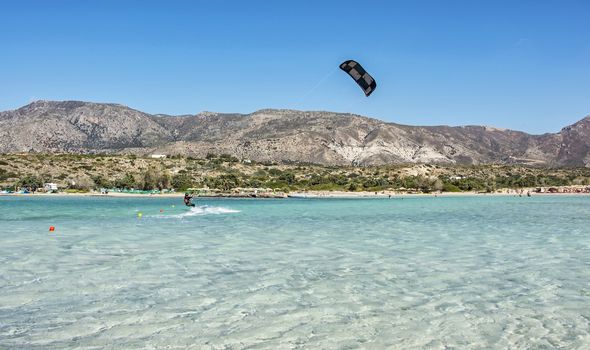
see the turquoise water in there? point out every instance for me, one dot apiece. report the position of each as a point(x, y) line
point(414, 273)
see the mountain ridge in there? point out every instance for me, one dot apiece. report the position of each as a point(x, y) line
point(321, 137)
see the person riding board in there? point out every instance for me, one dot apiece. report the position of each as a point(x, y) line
point(187, 200)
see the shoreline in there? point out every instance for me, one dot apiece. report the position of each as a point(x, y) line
point(300, 195)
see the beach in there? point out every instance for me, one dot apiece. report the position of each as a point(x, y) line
point(481, 271)
point(565, 190)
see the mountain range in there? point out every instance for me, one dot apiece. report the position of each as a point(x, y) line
point(280, 135)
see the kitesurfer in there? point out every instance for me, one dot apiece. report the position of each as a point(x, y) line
point(187, 200)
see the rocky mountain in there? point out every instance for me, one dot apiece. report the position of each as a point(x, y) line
point(280, 135)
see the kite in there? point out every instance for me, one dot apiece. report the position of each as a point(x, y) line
point(362, 78)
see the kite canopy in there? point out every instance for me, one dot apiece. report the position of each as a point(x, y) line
point(362, 78)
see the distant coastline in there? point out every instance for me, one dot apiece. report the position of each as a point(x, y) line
point(560, 191)
point(228, 176)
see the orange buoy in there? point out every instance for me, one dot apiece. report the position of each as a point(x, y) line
point(51, 228)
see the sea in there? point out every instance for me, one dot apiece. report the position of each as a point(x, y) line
point(463, 272)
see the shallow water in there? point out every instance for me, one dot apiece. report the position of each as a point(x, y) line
point(427, 273)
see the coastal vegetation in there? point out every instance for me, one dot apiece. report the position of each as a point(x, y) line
point(75, 172)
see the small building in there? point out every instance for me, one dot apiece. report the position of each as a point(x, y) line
point(158, 156)
point(50, 187)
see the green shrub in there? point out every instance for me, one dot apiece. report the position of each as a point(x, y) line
point(449, 187)
point(76, 190)
point(181, 181)
point(32, 182)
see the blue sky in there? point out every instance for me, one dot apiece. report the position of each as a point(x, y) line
point(513, 64)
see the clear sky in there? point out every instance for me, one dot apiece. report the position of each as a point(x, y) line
point(520, 64)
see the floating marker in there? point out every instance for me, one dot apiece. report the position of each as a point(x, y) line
point(139, 214)
point(161, 210)
point(51, 228)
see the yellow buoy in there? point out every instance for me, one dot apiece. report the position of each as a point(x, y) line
point(139, 214)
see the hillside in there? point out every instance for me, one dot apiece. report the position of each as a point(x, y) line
point(280, 135)
point(85, 172)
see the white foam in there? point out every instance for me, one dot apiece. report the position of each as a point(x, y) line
point(203, 210)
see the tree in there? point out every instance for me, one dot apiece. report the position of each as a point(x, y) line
point(150, 179)
point(438, 185)
point(165, 180)
point(101, 182)
point(181, 182)
point(287, 177)
point(83, 182)
point(127, 181)
point(31, 181)
point(154, 178)
point(226, 182)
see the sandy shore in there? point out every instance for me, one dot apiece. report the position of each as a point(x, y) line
point(307, 194)
point(335, 194)
point(96, 194)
